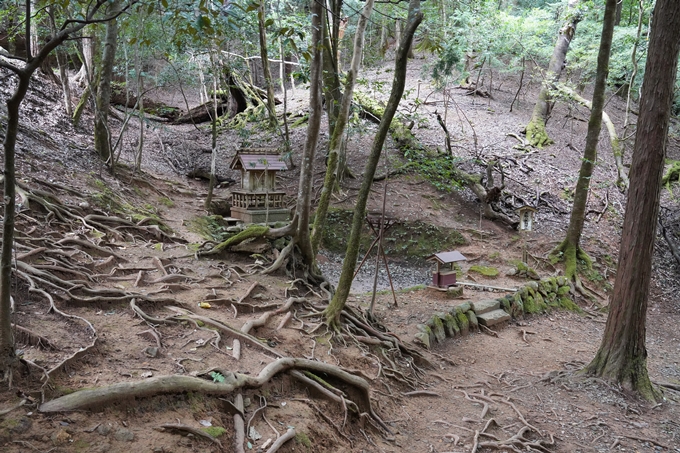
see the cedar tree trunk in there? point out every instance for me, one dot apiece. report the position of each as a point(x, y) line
point(622, 357)
point(332, 312)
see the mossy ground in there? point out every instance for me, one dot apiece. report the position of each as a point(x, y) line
point(215, 431)
point(413, 240)
point(486, 271)
point(209, 227)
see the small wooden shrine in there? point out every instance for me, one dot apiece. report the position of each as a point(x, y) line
point(445, 275)
point(258, 201)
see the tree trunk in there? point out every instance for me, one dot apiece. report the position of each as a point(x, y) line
point(102, 141)
point(62, 62)
point(7, 356)
point(332, 312)
point(304, 198)
point(571, 245)
point(331, 77)
point(622, 356)
point(338, 133)
point(85, 72)
point(536, 133)
point(269, 86)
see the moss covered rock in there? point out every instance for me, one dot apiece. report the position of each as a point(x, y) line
point(568, 304)
point(454, 292)
point(464, 307)
point(426, 330)
point(438, 329)
point(561, 280)
point(506, 302)
point(563, 290)
point(423, 339)
point(472, 318)
point(540, 302)
point(463, 322)
point(517, 309)
point(451, 326)
point(530, 305)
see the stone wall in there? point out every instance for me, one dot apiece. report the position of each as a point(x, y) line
point(536, 297)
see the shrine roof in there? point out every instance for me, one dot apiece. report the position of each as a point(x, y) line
point(271, 162)
point(448, 257)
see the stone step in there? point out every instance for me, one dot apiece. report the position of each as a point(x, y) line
point(492, 318)
point(485, 306)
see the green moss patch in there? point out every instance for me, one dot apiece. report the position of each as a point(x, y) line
point(303, 439)
point(209, 227)
point(215, 431)
point(486, 271)
point(413, 240)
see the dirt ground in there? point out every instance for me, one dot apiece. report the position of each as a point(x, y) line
point(523, 378)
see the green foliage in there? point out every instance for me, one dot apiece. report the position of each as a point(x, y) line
point(585, 47)
point(480, 34)
point(217, 377)
point(449, 57)
point(439, 169)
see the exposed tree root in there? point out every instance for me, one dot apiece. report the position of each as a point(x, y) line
point(11, 408)
point(26, 336)
point(288, 435)
point(178, 384)
point(191, 430)
point(519, 443)
point(253, 231)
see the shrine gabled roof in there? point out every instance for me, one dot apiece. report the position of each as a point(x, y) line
point(271, 162)
point(448, 257)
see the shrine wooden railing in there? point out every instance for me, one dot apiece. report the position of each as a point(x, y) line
point(250, 200)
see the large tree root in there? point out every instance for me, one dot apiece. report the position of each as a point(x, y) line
point(110, 394)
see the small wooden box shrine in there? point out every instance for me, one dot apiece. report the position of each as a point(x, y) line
point(445, 275)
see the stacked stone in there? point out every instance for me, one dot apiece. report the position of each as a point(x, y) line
point(535, 297)
point(456, 322)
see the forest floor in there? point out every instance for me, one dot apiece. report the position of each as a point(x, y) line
point(524, 377)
